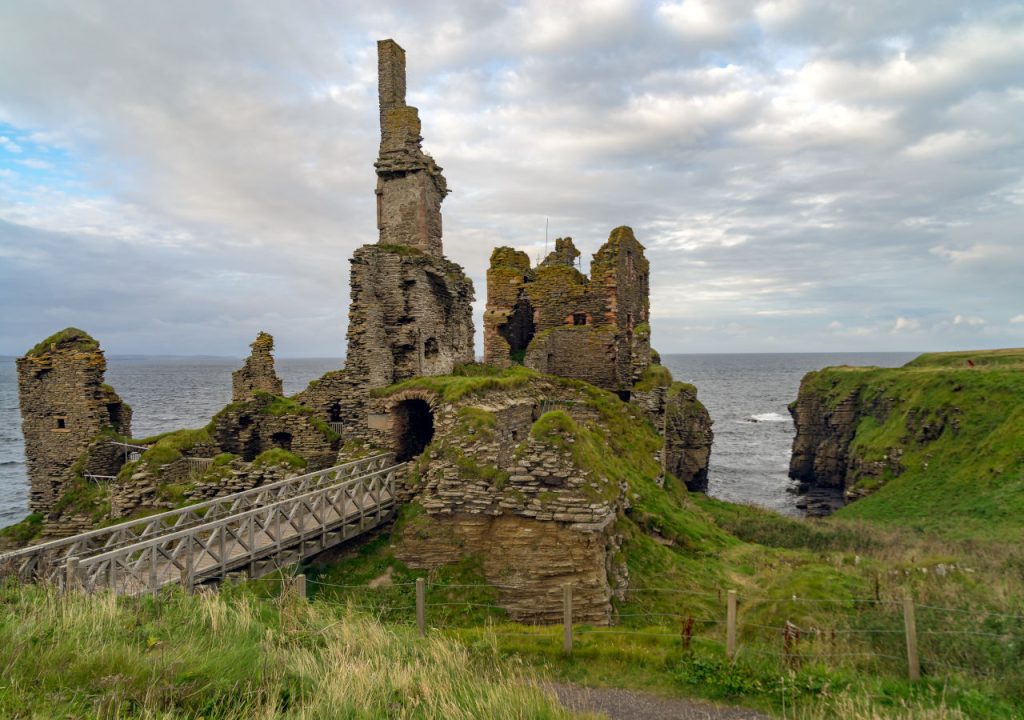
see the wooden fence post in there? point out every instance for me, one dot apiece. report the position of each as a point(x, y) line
point(730, 626)
point(421, 603)
point(299, 586)
point(71, 575)
point(567, 619)
point(910, 625)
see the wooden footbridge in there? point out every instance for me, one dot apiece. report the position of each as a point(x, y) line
point(256, 531)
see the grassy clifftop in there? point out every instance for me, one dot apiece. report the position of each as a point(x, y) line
point(937, 444)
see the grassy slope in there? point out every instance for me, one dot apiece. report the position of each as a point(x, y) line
point(811, 573)
point(969, 481)
point(232, 655)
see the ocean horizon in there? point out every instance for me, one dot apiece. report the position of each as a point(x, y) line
point(746, 394)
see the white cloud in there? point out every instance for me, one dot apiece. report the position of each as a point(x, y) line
point(969, 320)
point(782, 161)
point(903, 324)
point(1017, 319)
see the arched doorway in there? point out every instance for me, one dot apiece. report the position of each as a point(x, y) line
point(413, 428)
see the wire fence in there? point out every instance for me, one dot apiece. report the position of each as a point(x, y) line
point(885, 636)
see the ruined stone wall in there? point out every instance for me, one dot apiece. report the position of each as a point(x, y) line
point(592, 329)
point(410, 315)
point(585, 352)
point(250, 428)
point(258, 373)
point(533, 516)
point(411, 308)
point(64, 406)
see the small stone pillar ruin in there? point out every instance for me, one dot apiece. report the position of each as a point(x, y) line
point(65, 405)
point(258, 373)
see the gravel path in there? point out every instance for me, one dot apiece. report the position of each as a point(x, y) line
point(631, 705)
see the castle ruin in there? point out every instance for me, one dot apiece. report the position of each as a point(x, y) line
point(65, 405)
point(556, 320)
point(258, 373)
point(495, 470)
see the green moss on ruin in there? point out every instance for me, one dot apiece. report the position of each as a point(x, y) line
point(655, 376)
point(68, 338)
point(82, 497)
point(511, 258)
point(279, 456)
point(476, 422)
point(403, 250)
point(455, 387)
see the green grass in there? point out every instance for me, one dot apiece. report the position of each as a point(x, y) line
point(23, 532)
point(69, 337)
point(467, 380)
point(233, 655)
point(956, 432)
point(279, 456)
point(655, 376)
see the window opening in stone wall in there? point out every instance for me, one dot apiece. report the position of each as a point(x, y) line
point(282, 440)
point(114, 412)
point(624, 395)
point(413, 428)
point(579, 318)
point(519, 330)
point(61, 423)
point(430, 348)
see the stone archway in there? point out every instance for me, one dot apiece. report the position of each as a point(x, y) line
point(412, 427)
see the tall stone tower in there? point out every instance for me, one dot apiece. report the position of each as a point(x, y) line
point(411, 309)
point(410, 186)
point(64, 407)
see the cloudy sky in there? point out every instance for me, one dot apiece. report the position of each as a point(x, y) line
point(806, 175)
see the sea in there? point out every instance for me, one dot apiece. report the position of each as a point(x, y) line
point(746, 394)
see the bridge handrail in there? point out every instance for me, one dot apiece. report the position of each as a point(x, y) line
point(214, 524)
point(43, 548)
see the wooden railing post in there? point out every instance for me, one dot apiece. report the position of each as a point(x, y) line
point(730, 626)
point(299, 585)
point(421, 606)
point(71, 574)
point(188, 572)
point(910, 625)
point(567, 619)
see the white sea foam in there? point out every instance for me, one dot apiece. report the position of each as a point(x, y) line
point(769, 417)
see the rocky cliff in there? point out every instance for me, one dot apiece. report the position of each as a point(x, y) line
point(943, 436)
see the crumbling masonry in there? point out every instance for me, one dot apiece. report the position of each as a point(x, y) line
point(258, 374)
point(555, 319)
point(411, 308)
point(64, 407)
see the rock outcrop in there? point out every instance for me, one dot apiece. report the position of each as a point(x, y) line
point(258, 373)
point(65, 406)
point(919, 426)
